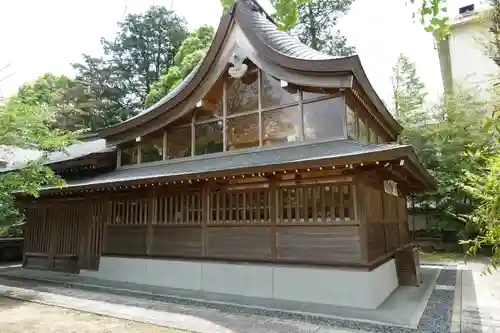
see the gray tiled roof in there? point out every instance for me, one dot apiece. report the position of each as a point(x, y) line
point(17, 157)
point(278, 40)
point(201, 165)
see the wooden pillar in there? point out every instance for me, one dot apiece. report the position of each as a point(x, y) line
point(50, 221)
point(359, 197)
point(108, 213)
point(275, 205)
point(151, 219)
point(205, 196)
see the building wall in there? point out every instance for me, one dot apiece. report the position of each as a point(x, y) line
point(332, 286)
point(468, 62)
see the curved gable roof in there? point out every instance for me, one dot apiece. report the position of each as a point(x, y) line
point(276, 46)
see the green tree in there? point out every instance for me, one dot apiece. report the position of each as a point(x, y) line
point(448, 141)
point(143, 49)
point(63, 96)
point(316, 26)
point(408, 90)
point(484, 184)
point(192, 50)
point(28, 126)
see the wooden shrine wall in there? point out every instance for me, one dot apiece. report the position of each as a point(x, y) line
point(275, 222)
point(307, 224)
point(386, 221)
point(64, 235)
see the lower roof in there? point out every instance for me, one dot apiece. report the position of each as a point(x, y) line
point(339, 152)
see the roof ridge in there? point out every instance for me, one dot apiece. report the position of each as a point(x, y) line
point(262, 10)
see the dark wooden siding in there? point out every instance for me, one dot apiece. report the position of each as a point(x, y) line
point(319, 243)
point(386, 221)
point(313, 223)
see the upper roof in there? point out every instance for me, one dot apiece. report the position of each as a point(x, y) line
point(249, 27)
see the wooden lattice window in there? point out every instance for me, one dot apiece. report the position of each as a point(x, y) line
point(130, 211)
point(316, 204)
point(245, 206)
point(180, 208)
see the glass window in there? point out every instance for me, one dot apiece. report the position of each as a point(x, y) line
point(363, 131)
point(312, 93)
point(179, 142)
point(208, 138)
point(324, 119)
point(151, 149)
point(243, 94)
point(352, 126)
point(243, 132)
point(282, 125)
point(274, 95)
point(129, 154)
point(212, 105)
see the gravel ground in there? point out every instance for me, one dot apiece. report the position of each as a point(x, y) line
point(436, 319)
point(18, 316)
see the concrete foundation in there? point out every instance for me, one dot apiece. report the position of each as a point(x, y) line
point(331, 286)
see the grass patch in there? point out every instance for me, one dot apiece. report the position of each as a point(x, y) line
point(442, 256)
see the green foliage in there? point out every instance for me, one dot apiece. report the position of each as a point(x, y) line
point(494, 46)
point(448, 138)
point(286, 11)
point(66, 98)
point(316, 26)
point(28, 126)
point(408, 90)
point(190, 53)
point(432, 18)
point(143, 49)
point(484, 185)
point(448, 142)
point(287, 14)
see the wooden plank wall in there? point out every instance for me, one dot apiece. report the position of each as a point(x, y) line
point(386, 221)
point(309, 223)
point(52, 236)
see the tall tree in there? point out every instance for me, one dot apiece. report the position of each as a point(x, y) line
point(316, 26)
point(484, 184)
point(192, 50)
point(143, 49)
point(61, 95)
point(408, 90)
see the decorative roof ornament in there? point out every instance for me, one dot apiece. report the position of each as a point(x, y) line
point(238, 69)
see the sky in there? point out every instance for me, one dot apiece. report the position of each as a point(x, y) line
point(39, 36)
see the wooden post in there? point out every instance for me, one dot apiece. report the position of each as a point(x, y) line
point(107, 221)
point(151, 219)
point(205, 195)
point(164, 144)
point(275, 205)
point(52, 236)
point(359, 197)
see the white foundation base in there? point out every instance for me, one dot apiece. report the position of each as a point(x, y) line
point(332, 286)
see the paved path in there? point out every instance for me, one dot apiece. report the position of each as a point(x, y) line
point(480, 300)
point(478, 308)
point(157, 313)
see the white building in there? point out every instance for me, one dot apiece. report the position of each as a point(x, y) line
point(464, 55)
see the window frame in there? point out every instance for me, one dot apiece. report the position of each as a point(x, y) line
point(260, 111)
